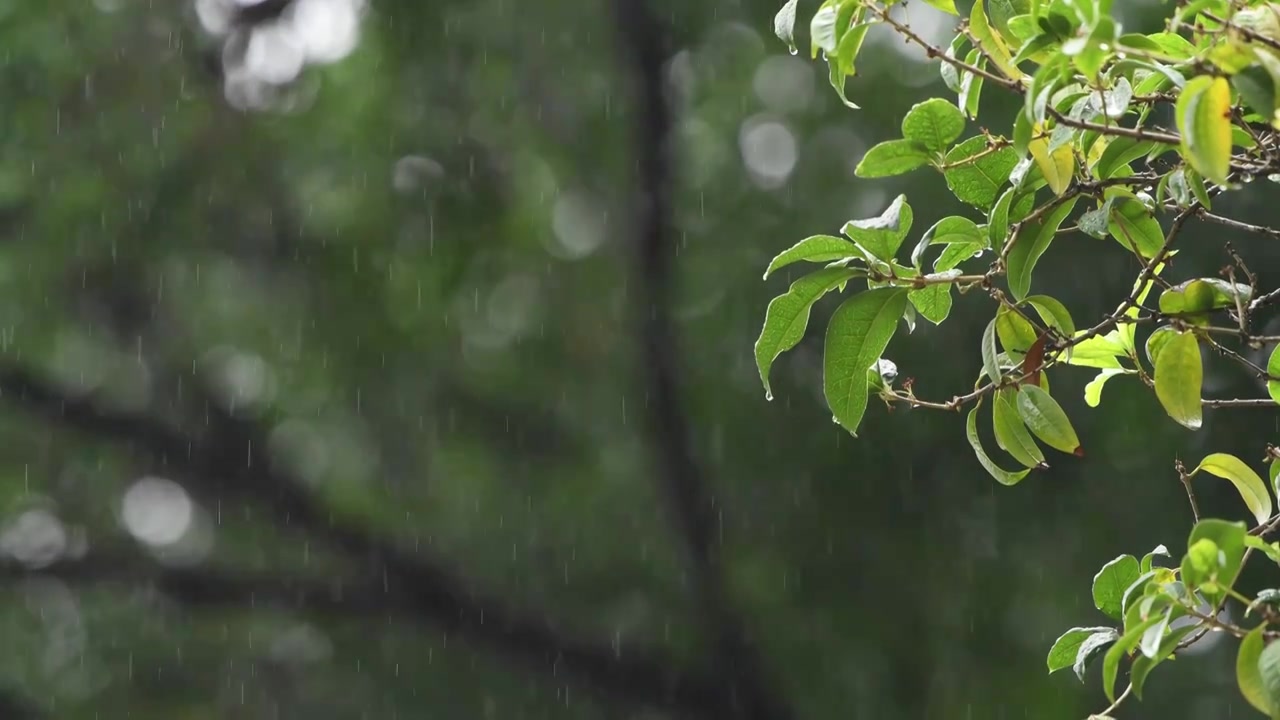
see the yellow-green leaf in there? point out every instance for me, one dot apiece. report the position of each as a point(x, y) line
point(1045, 418)
point(1273, 370)
point(1093, 391)
point(991, 42)
point(1179, 378)
point(1204, 120)
point(1248, 676)
point(1250, 486)
point(947, 6)
point(1058, 166)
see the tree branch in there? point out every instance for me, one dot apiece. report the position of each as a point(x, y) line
point(222, 461)
point(681, 479)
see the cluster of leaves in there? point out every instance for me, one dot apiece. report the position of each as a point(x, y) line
point(1084, 153)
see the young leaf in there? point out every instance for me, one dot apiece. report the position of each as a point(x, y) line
point(934, 124)
point(991, 42)
point(1111, 582)
point(1248, 675)
point(788, 316)
point(1250, 486)
point(1016, 334)
point(784, 25)
point(1273, 370)
point(976, 178)
point(1065, 649)
point(1147, 559)
point(1032, 241)
point(1058, 166)
point(1004, 477)
point(1228, 538)
point(892, 157)
point(1179, 377)
point(858, 333)
point(816, 249)
point(882, 236)
point(1093, 390)
point(1011, 432)
point(1204, 120)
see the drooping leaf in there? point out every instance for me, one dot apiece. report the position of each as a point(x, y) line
point(1032, 242)
point(1179, 377)
point(892, 157)
point(788, 316)
point(1123, 646)
point(816, 249)
point(934, 124)
point(784, 25)
point(824, 33)
point(1156, 341)
point(1065, 649)
point(1251, 488)
point(990, 364)
point(1204, 121)
point(1248, 674)
point(1004, 477)
point(1101, 351)
point(992, 44)
point(1110, 583)
point(1045, 418)
point(1143, 665)
point(857, 335)
point(1011, 432)
point(1269, 669)
point(882, 236)
point(1091, 648)
point(975, 175)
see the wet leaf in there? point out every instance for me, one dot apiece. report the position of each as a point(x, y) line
point(1248, 674)
point(882, 236)
point(816, 249)
point(857, 335)
point(1011, 433)
point(1065, 649)
point(933, 301)
point(788, 316)
point(784, 25)
point(1032, 242)
point(1004, 477)
point(892, 157)
point(1204, 121)
point(934, 124)
point(1054, 313)
point(976, 179)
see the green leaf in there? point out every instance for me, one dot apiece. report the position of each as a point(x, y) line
point(1160, 550)
point(976, 179)
point(1202, 295)
point(1134, 226)
point(892, 157)
point(1110, 583)
point(1032, 242)
point(1269, 669)
point(989, 353)
point(1118, 154)
point(991, 42)
point(1179, 377)
point(1273, 370)
point(933, 301)
point(788, 316)
point(1054, 313)
point(859, 331)
point(1143, 665)
point(1248, 484)
point(1065, 649)
point(823, 32)
point(1091, 647)
point(1101, 351)
point(1156, 341)
point(1093, 390)
point(784, 25)
point(1015, 333)
point(817, 249)
point(1047, 421)
point(948, 231)
point(957, 253)
point(934, 124)
point(1228, 538)
point(1011, 431)
point(947, 6)
point(1248, 675)
point(1204, 120)
point(1004, 477)
point(882, 236)
point(1123, 646)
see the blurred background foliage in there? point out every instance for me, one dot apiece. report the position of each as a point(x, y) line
point(382, 251)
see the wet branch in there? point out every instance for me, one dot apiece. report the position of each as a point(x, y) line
point(746, 685)
point(222, 462)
